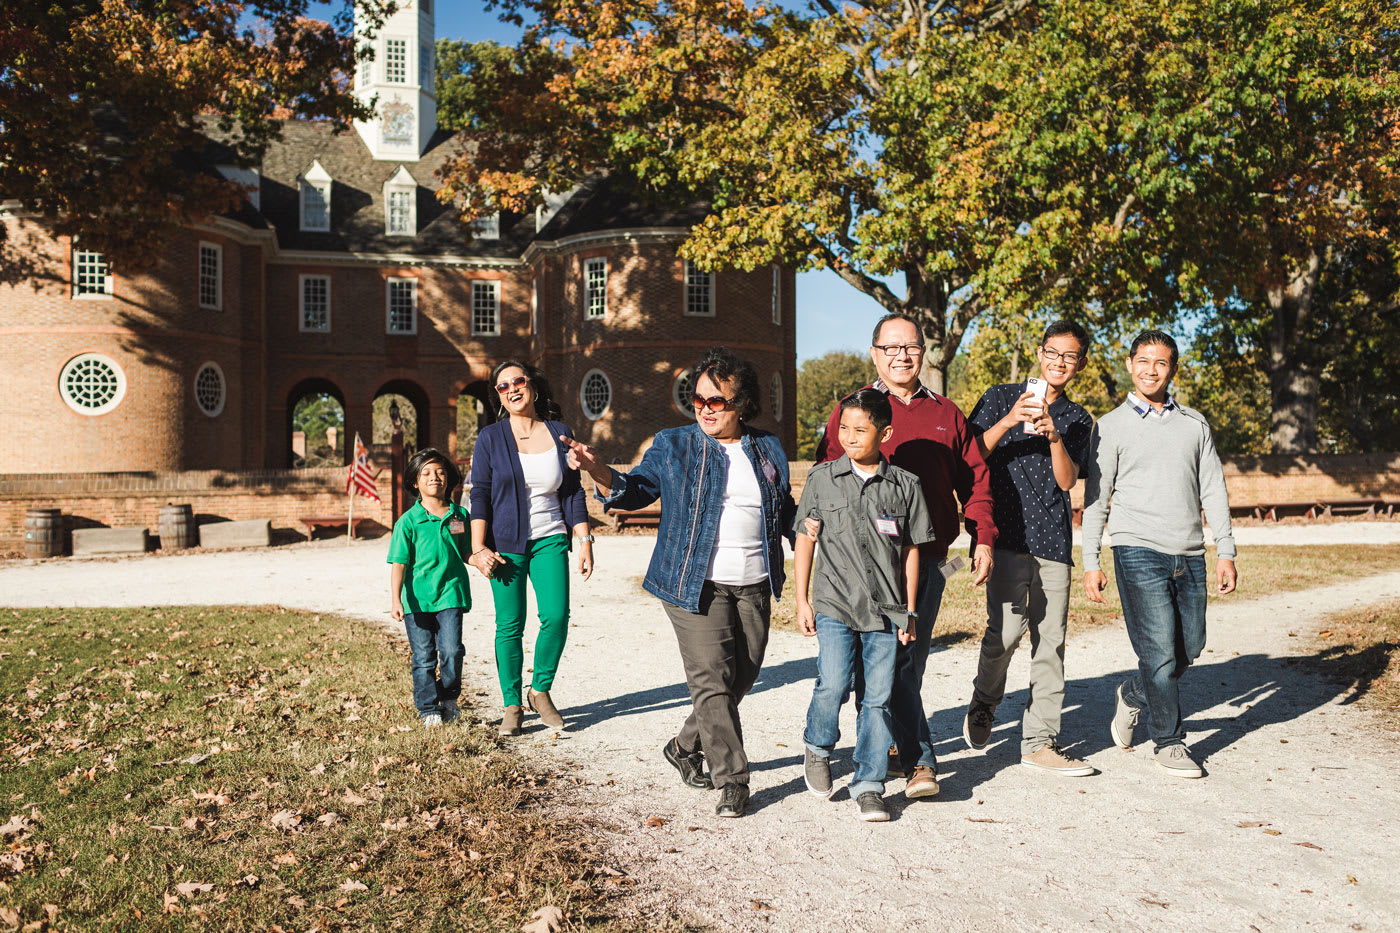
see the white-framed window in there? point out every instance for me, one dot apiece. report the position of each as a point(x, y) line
point(595, 394)
point(363, 74)
point(486, 309)
point(487, 227)
point(401, 212)
point(775, 396)
point(211, 276)
point(90, 276)
point(682, 390)
point(396, 61)
point(595, 288)
point(209, 389)
point(699, 291)
point(777, 294)
point(92, 384)
point(315, 309)
point(425, 66)
point(401, 306)
point(316, 198)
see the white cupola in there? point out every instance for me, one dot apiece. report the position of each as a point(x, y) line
point(401, 76)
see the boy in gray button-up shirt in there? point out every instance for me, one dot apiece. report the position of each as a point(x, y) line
point(872, 518)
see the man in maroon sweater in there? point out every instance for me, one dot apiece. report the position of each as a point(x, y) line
point(931, 440)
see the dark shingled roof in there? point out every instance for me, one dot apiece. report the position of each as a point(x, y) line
point(357, 199)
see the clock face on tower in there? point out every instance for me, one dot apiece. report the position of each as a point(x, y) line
point(396, 121)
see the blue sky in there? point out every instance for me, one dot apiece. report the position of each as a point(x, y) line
point(831, 315)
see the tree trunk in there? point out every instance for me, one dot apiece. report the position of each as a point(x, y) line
point(1293, 382)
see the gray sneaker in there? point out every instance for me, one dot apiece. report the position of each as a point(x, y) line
point(1125, 719)
point(817, 771)
point(450, 711)
point(1178, 762)
point(871, 808)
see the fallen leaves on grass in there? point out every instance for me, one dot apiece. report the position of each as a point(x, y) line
point(289, 820)
point(191, 888)
point(330, 819)
point(352, 885)
point(547, 919)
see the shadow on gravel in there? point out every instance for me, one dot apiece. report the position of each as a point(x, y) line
point(677, 696)
point(1257, 691)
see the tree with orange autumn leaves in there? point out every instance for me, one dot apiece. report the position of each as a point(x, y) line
point(101, 103)
point(1115, 160)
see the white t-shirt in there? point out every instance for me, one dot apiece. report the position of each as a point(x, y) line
point(865, 477)
point(737, 559)
point(543, 477)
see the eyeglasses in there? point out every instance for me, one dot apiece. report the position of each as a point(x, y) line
point(892, 349)
point(517, 382)
point(1069, 357)
point(713, 403)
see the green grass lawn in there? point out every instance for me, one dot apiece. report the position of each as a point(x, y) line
point(1262, 570)
point(243, 769)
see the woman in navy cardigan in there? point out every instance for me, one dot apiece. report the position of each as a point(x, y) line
point(525, 503)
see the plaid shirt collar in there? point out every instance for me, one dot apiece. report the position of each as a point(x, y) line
point(923, 390)
point(1147, 408)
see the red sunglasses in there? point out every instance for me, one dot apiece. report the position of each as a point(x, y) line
point(517, 382)
point(713, 403)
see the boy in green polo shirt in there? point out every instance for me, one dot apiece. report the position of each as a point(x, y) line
point(428, 578)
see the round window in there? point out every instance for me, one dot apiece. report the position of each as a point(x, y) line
point(209, 389)
point(777, 397)
point(682, 390)
point(594, 394)
point(92, 384)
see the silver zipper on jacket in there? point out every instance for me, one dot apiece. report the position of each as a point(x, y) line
point(695, 526)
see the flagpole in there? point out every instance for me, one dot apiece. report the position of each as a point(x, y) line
point(350, 519)
point(350, 491)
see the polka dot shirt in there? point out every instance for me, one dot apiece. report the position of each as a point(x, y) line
point(1031, 511)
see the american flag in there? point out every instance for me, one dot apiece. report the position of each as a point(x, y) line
point(361, 478)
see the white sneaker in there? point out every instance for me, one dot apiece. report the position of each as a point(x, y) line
point(1177, 761)
point(432, 721)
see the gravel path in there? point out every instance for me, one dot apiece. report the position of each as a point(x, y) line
point(1293, 827)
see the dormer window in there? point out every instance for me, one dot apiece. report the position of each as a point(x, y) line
point(487, 227)
point(401, 204)
point(316, 198)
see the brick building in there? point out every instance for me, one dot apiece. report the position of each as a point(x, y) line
point(343, 275)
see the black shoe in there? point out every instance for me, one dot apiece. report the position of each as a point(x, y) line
point(691, 767)
point(733, 798)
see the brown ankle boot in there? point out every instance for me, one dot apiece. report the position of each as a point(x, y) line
point(541, 703)
point(510, 721)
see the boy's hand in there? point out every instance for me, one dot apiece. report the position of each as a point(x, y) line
point(1045, 426)
point(1094, 584)
point(806, 619)
point(906, 635)
point(396, 610)
point(486, 561)
point(1027, 408)
point(814, 527)
point(1225, 576)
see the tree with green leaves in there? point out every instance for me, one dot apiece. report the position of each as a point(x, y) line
point(103, 106)
point(821, 383)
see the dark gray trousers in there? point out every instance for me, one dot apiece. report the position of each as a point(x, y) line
point(722, 649)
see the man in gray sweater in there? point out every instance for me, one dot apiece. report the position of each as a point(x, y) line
point(1155, 459)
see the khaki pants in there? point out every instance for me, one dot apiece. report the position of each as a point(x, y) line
point(1027, 594)
point(722, 649)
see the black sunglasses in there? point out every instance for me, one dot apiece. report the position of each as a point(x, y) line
point(517, 382)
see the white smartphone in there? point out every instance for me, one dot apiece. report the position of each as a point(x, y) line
point(1036, 387)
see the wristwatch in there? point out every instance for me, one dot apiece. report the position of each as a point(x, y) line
point(586, 539)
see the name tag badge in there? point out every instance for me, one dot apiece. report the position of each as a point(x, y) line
point(887, 526)
point(457, 526)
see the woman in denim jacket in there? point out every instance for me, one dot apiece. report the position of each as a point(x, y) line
point(527, 507)
point(718, 561)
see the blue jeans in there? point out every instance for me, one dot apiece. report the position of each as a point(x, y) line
point(910, 725)
point(1164, 608)
point(435, 657)
point(837, 649)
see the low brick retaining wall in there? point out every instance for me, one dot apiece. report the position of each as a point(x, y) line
point(90, 500)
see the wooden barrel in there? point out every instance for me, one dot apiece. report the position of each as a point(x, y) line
point(43, 533)
point(176, 526)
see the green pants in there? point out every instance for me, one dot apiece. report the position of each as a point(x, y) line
point(546, 564)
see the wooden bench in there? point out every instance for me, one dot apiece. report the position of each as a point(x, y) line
point(314, 522)
point(635, 517)
point(1358, 506)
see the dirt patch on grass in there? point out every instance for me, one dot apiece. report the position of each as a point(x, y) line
point(261, 768)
